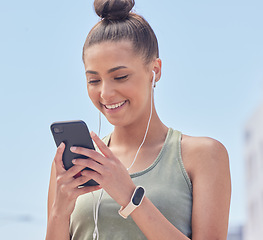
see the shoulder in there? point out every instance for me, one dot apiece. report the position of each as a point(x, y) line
point(206, 161)
point(203, 155)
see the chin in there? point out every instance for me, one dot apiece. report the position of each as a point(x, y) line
point(117, 122)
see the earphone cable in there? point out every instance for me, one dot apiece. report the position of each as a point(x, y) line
point(96, 215)
point(96, 207)
point(145, 135)
point(99, 124)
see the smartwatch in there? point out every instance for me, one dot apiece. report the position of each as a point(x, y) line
point(135, 202)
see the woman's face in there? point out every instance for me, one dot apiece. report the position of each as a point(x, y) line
point(118, 82)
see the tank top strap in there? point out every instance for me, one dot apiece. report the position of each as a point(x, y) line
point(175, 149)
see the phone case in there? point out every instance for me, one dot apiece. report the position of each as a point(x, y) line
point(72, 133)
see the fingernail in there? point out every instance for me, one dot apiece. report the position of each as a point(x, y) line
point(74, 161)
point(61, 145)
point(73, 149)
point(92, 134)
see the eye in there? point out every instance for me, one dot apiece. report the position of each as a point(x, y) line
point(121, 78)
point(94, 81)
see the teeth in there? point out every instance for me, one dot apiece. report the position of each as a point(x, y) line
point(113, 106)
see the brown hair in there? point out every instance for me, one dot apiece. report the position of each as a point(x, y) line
point(119, 23)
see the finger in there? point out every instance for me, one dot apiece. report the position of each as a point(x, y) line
point(90, 153)
point(73, 171)
point(102, 146)
point(87, 189)
point(90, 163)
point(79, 181)
point(93, 175)
point(58, 159)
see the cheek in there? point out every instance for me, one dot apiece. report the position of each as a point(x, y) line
point(93, 95)
point(139, 93)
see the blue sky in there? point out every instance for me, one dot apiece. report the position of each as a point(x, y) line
point(212, 81)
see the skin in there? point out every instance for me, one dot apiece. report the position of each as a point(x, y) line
point(125, 79)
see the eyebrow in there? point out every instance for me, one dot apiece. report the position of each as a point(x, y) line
point(109, 71)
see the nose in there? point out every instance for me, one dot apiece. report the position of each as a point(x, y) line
point(107, 91)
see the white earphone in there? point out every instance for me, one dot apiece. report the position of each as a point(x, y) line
point(153, 81)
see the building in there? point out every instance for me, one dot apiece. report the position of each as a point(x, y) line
point(235, 233)
point(253, 148)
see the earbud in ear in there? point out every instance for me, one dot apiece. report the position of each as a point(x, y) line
point(153, 81)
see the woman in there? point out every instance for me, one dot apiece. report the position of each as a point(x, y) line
point(186, 179)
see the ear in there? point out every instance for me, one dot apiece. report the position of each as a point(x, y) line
point(157, 67)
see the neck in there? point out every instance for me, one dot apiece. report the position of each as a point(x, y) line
point(132, 136)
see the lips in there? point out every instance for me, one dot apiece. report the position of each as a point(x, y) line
point(114, 106)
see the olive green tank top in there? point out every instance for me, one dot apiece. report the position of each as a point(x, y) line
point(167, 186)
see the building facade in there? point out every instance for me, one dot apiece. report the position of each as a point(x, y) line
point(253, 148)
point(235, 233)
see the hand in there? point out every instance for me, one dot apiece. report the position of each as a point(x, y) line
point(109, 172)
point(67, 186)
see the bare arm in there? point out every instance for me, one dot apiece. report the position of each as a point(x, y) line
point(211, 196)
point(153, 224)
point(208, 165)
point(62, 195)
point(57, 227)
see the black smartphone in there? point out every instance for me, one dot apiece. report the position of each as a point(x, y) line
point(72, 133)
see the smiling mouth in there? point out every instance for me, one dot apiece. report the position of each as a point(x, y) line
point(114, 106)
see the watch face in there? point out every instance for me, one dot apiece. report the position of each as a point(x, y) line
point(136, 200)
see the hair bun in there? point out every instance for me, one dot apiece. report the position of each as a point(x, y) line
point(113, 9)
